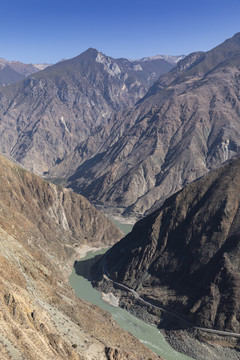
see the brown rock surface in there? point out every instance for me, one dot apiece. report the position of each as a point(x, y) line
point(115, 354)
point(41, 229)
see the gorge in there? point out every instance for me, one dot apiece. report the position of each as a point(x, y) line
point(154, 140)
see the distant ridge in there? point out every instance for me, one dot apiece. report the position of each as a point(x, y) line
point(170, 58)
point(13, 71)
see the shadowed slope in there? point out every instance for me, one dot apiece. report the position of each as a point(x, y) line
point(185, 256)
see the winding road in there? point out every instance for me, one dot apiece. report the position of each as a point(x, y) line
point(106, 275)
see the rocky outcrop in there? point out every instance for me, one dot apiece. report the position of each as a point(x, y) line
point(187, 124)
point(184, 257)
point(41, 230)
point(115, 354)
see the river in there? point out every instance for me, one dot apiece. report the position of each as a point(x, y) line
point(147, 334)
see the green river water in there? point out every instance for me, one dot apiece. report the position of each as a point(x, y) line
point(147, 334)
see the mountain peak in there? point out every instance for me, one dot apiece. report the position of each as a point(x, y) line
point(90, 52)
point(88, 55)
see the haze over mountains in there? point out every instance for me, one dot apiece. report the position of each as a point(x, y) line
point(187, 124)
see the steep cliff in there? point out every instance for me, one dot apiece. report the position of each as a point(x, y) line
point(41, 230)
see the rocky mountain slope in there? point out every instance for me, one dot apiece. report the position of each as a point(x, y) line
point(44, 117)
point(13, 71)
point(41, 230)
point(185, 256)
point(187, 124)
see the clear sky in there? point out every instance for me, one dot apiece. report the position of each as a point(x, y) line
point(50, 30)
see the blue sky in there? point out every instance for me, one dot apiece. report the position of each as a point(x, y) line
point(47, 31)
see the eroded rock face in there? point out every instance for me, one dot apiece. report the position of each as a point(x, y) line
point(186, 125)
point(185, 256)
point(55, 211)
point(41, 229)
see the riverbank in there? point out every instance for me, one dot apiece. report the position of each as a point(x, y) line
point(182, 336)
point(184, 340)
point(115, 214)
point(149, 335)
point(84, 249)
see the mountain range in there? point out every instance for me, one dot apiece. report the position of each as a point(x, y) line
point(44, 116)
point(77, 121)
point(186, 124)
